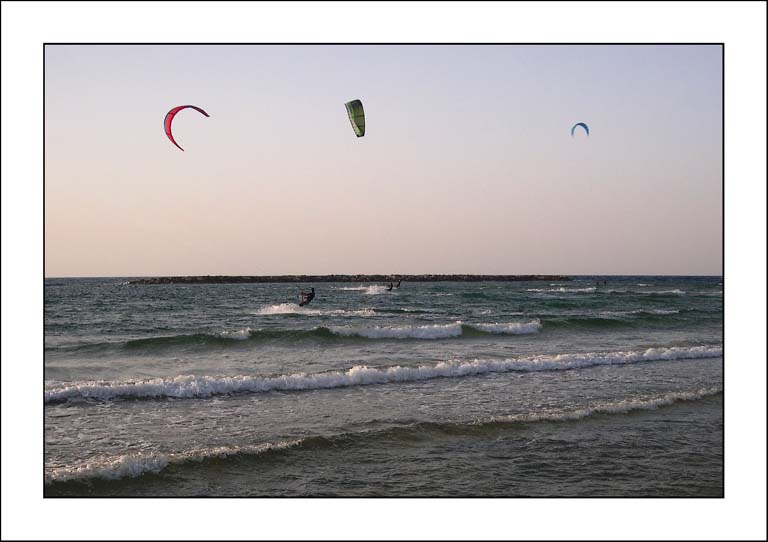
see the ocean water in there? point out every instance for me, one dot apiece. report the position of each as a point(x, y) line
point(510, 389)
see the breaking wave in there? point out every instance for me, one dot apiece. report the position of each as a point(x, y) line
point(563, 290)
point(641, 312)
point(188, 386)
point(370, 290)
point(623, 406)
point(436, 331)
point(293, 308)
point(650, 293)
point(593, 289)
point(135, 465)
point(224, 338)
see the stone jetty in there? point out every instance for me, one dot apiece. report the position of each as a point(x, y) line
point(230, 279)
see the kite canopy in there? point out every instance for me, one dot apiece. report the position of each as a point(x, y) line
point(586, 128)
point(356, 116)
point(169, 120)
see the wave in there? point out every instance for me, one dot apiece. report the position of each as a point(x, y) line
point(188, 386)
point(404, 310)
point(370, 290)
point(513, 328)
point(622, 406)
point(134, 465)
point(674, 292)
point(563, 290)
point(436, 331)
point(222, 338)
point(596, 322)
point(225, 338)
point(594, 289)
point(642, 312)
point(293, 308)
point(239, 335)
point(375, 290)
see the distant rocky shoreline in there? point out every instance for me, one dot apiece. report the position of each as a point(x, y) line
point(226, 279)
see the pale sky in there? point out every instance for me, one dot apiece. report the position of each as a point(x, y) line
point(467, 165)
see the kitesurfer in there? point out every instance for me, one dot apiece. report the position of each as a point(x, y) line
point(307, 297)
point(389, 288)
point(398, 284)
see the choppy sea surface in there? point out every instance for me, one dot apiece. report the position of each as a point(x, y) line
point(599, 386)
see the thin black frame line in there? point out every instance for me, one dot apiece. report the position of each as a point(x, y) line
point(342, 43)
point(722, 177)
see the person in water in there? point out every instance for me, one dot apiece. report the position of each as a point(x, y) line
point(389, 288)
point(307, 297)
point(398, 284)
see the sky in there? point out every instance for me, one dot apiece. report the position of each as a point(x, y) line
point(467, 165)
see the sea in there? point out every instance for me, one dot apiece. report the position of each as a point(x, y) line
point(599, 386)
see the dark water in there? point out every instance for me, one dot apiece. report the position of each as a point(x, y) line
point(433, 389)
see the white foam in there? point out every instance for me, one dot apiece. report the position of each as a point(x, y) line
point(132, 465)
point(240, 335)
point(361, 312)
point(293, 308)
point(375, 290)
point(513, 328)
point(613, 407)
point(640, 311)
point(286, 308)
point(563, 290)
point(188, 386)
point(370, 290)
point(437, 331)
point(647, 292)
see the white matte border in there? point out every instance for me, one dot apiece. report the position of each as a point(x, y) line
point(26, 515)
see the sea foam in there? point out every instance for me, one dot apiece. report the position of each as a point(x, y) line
point(612, 407)
point(293, 308)
point(437, 331)
point(563, 290)
point(513, 328)
point(188, 386)
point(133, 465)
point(240, 335)
point(370, 290)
